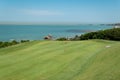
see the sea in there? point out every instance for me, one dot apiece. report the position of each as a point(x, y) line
point(38, 32)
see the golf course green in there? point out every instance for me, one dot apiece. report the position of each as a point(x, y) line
point(61, 60)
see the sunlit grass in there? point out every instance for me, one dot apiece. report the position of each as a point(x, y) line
point(61, 60)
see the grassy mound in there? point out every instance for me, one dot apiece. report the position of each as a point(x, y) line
point(61, 60)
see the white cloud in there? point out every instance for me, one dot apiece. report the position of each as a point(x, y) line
point(42, 12)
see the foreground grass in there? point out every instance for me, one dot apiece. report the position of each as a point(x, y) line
point(57, 60)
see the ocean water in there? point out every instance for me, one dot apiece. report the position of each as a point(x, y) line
point(38, 32)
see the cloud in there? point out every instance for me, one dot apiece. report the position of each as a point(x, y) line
point(42, 13)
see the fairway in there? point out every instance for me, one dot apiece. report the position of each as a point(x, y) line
point(61, 60)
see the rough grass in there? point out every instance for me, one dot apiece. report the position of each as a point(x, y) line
point(61, 60)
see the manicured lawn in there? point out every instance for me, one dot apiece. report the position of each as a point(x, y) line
point(61, 60)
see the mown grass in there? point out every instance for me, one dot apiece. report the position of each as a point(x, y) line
point(61, 60)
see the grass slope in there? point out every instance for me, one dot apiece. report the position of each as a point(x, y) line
point(57, 60)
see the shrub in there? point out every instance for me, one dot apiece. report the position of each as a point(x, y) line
point(23, 41)
point(109, 34)
point(62, 39)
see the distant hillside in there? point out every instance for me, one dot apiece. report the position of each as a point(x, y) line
point(61, 60)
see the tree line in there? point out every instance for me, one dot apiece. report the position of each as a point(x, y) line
point(14, 42)
point(109, 34)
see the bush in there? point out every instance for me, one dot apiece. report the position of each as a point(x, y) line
point(62, 39)
point(109, 34)
point(14, 42)
point(6, 44)
point(23, 41)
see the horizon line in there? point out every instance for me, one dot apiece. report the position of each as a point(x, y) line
point(50, 23)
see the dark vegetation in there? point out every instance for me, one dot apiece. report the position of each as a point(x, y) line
point(62, 39)
point(14, 42)
point(109, 34)
point(22, 41)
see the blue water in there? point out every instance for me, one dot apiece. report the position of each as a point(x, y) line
point(38, 32)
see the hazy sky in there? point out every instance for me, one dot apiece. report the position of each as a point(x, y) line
point(78, 11)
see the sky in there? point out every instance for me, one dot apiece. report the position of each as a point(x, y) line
point(60, 11)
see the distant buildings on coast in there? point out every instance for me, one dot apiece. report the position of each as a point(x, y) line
point(117, 25)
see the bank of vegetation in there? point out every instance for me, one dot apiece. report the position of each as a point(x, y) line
point(10, 43)
point(109, 34)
